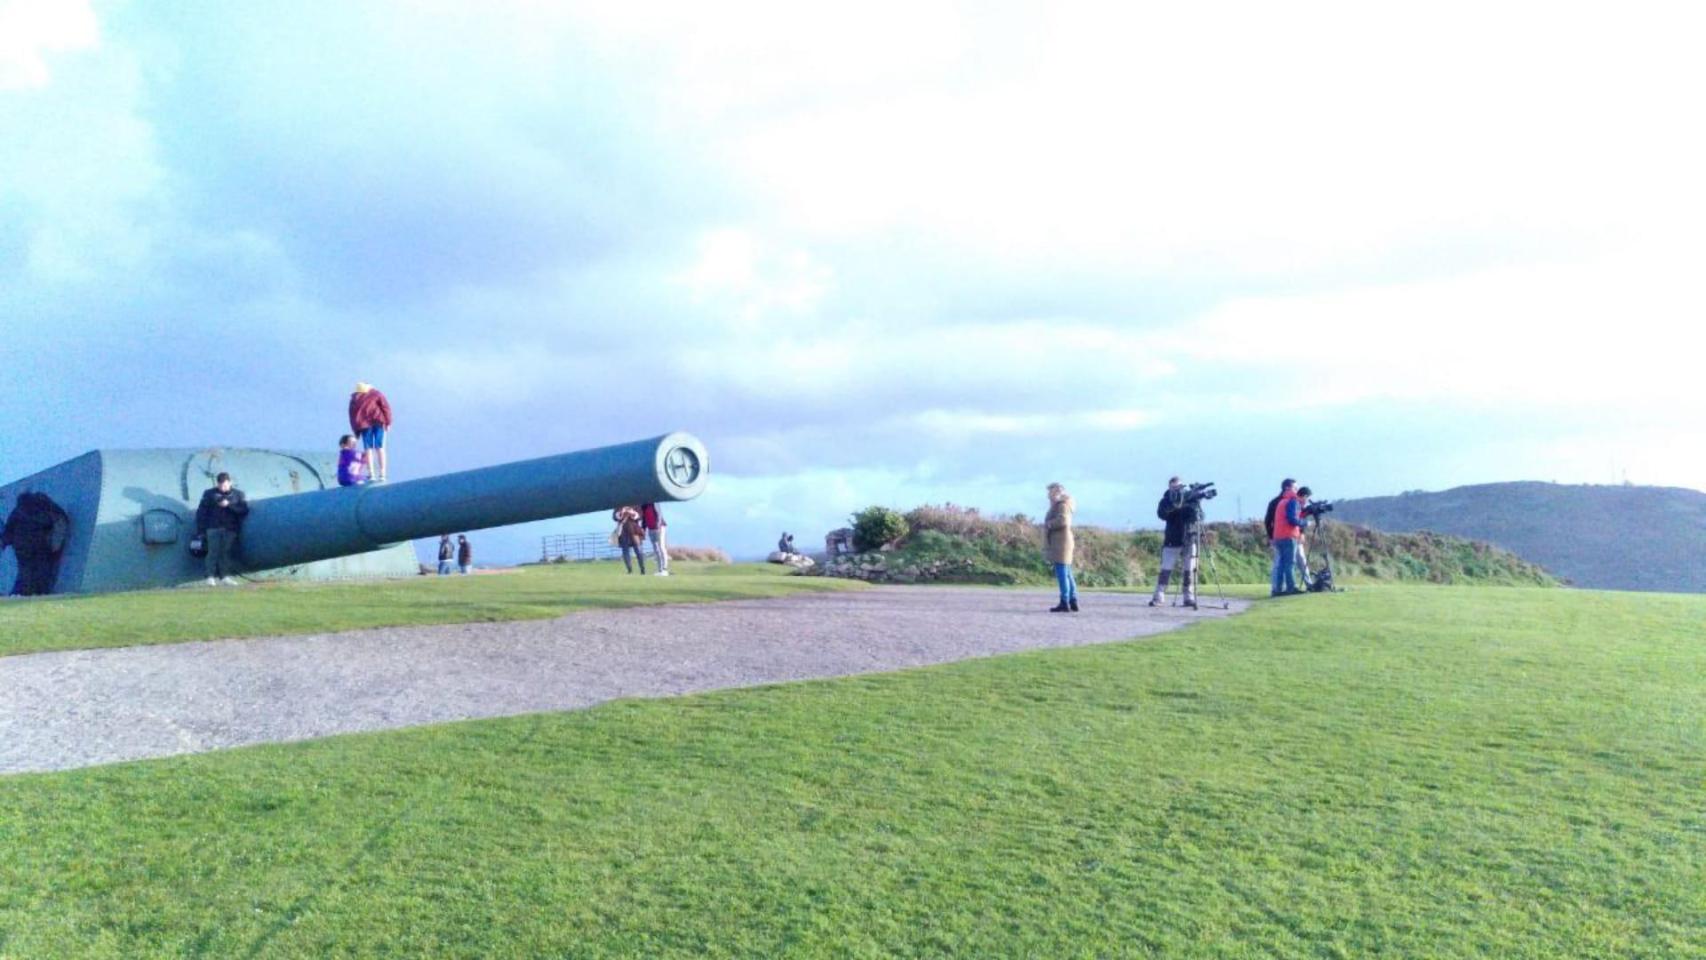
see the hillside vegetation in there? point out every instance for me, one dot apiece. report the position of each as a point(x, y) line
point(1606, 537)
point(961, 545)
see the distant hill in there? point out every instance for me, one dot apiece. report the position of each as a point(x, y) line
point(1607, 537)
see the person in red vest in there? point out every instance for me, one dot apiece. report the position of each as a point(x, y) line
point(1288, 528)
point(369, 418)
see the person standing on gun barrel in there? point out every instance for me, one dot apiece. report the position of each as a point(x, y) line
point(369, 418)
point(1181, 510)
point(1059, 546)
point(218, 520)
point(1288, 527)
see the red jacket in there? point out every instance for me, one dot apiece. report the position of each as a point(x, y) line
point(650, 518)
point(368, 410)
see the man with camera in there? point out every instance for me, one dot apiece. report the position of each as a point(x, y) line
point(1181, 510)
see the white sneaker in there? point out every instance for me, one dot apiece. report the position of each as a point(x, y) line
point(227, 582)
point(212, 582)
point(663, 573)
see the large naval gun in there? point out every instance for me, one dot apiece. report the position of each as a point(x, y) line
point(122, 519)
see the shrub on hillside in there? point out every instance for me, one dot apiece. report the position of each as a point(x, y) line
point(877, 527)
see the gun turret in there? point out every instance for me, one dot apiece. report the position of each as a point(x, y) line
point(130, 513)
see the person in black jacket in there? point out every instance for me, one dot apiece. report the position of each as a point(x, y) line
point(1183, 516)
point(218, 521)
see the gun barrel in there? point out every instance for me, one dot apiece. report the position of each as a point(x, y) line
point(305, 527)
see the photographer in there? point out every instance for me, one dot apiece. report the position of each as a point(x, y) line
point(1181, 510)
point(1303, 511)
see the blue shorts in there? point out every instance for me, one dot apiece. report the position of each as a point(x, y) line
point(372, 438)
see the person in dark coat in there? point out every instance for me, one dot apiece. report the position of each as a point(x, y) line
point(369, 419)
point(446, 553)
point(36, 530)
point(1178, 543)
point(219, 522)
point(464, 554)
point(630, 535)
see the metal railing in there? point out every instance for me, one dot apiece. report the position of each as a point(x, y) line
point(572, 547)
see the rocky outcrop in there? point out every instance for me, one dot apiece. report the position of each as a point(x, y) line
point(884, 567)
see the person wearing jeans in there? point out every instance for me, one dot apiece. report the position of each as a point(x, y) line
point(1058, 546)
point(655, 526)
point(630, 535)
point(1288, 527)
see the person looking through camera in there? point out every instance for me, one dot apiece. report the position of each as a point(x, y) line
point(1181, 510)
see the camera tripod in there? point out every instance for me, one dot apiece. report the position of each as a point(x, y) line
point(1204, 558)
point(1320, 582)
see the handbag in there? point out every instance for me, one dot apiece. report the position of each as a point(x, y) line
point(198, 546)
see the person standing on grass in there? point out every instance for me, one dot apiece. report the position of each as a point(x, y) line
point(218, 520)
point(655, 526)
point(369, 418)
point(352, 466)
point(630, 534)
point(464, 553)
point(1178, 543)
point(446, 552)
point(1059, 546)
point(1288, 526)
point(1286, 486)
point(1302, 560)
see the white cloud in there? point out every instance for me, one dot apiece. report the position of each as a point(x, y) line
point(1617, 333)
point(30, 30)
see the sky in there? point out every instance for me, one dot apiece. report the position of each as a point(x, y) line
point(872, 254)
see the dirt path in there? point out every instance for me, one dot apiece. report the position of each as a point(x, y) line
point(79, 708)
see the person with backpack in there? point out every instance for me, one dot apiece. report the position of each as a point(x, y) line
point(1182, 516)
point(218, 522)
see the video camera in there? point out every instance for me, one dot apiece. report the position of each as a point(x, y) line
point(1200, 491)
point(1318, 508)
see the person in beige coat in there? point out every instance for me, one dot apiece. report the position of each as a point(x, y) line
point(1059, 547)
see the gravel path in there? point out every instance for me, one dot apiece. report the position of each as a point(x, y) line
point(79, 708)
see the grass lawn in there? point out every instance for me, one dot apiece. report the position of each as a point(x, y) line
point(1391, 772)
point(528, 593)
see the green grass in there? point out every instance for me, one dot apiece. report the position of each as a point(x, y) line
point(529, 593)
point(1392, 772)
